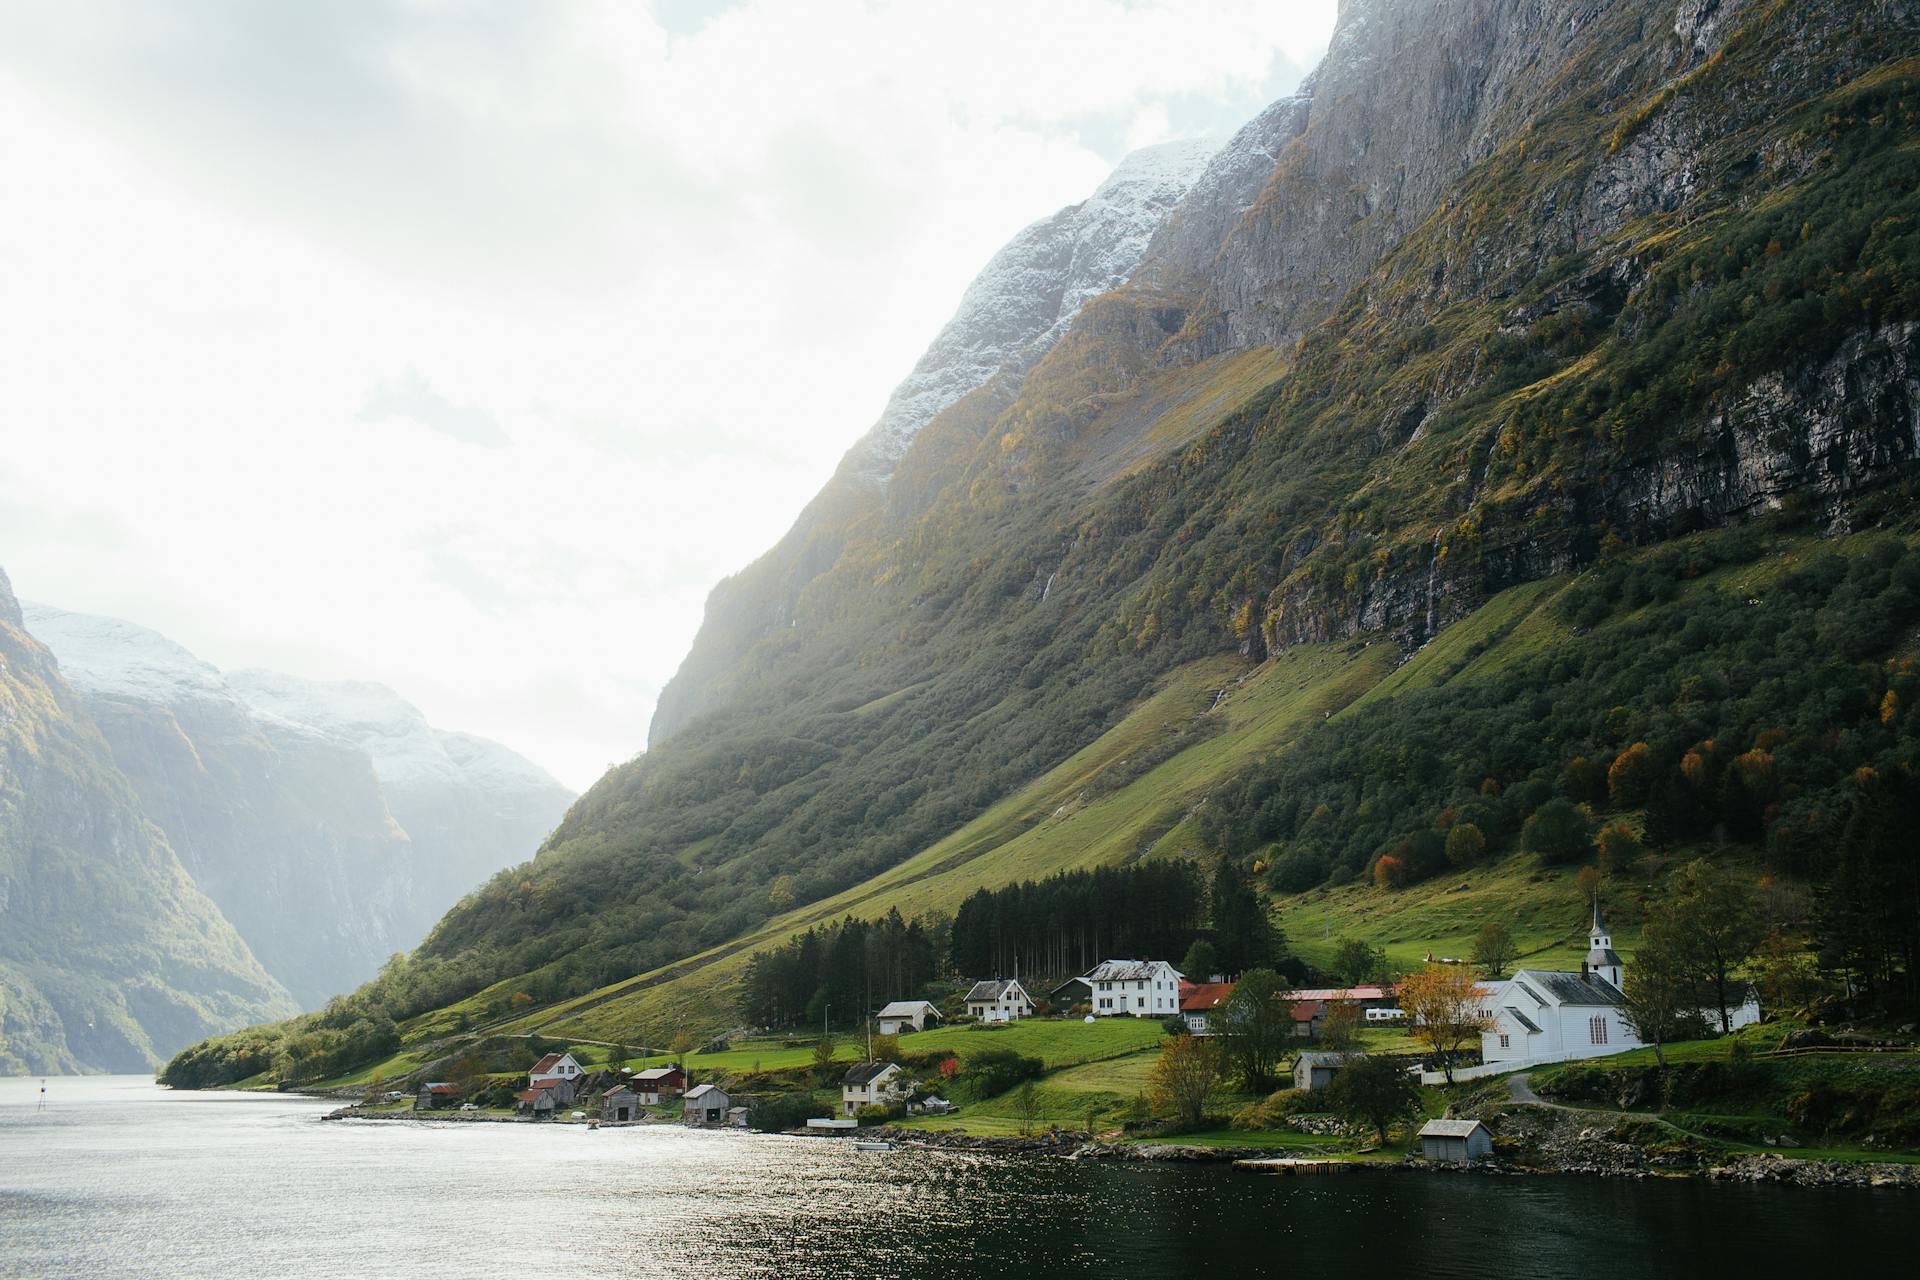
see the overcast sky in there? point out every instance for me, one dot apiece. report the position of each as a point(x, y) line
point(464, 346)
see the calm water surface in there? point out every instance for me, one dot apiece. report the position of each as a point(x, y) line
point(120, 1178)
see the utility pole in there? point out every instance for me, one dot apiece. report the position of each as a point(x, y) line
point(823, 1019)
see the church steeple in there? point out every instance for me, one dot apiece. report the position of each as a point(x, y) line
point(1601, 961)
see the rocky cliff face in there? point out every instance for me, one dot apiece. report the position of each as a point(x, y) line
point(331, 830)
point(1012, 314)
point(111, 957)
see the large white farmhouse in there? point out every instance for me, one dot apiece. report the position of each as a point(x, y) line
point(1139, 988)
point(1548, 1015)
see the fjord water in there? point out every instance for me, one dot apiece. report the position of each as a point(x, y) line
point(120, 1178)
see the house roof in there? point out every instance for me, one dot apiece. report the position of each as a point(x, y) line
point(1327, 1058)
point(548, 1063)
point(1449, 1128)
point(868, 1072)
point(907, 1008)
point(1198, 997)
point(1341, 993)
point(1524, 1020)
point(618, 1089)
point(652, 1074)
point(1126, 970)
point(1602, 956)
point(548, 1084)
point(702, 1090)
point(1307, 1010)
point(1571, 988)
point(994, 989)
point(438, 1086)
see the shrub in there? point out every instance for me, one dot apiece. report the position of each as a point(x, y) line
point(1559, 832)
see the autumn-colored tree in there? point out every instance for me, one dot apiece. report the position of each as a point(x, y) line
point(1443, 1007)
point(1587, 883)
point(1389, 872)
point(1584, 781)
point(949, 1068)
point(1619, 847)
point(1493, 948)
point(886, 1049)
point(1185, 1077)
point(1466, 844)
point(1340, 1028)
point(1786, 971)
point(1630, 776)
point(781, 896)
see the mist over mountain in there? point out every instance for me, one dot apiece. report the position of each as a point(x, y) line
point(111, 957)
point(328, 821)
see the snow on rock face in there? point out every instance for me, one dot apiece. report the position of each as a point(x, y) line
point(118, 659)
point(403, 747)
point(1025, 298)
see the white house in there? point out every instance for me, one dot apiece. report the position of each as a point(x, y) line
point(1550, 1015)
point(906, 1015)
point(555, 1066)
point(872, 1084)
point(1137, 988)
point(999, 1000)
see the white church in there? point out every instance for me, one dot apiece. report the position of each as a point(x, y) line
point(1547, 1015)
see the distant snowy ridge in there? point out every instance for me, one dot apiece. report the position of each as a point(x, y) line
point(1028, 293)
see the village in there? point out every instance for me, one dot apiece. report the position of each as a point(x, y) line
point(1136, 1056)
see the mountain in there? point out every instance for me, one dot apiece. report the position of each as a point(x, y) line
point(1012, 314)
point(1521, 416)
point(330, 823)
point(111, 957)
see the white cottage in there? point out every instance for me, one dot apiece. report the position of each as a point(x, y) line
point(555, 1066)
point(999, 1000)
point(906, 1015)
point(1136, 988)
point(872, 1084)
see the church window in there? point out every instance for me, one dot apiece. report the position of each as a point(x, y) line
point(1597, 1028)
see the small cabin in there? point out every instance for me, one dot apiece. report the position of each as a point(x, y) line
point(906, 1015)
point(705, 1104)
point(620, 1105)
point(1316, 1070)
point(435, 1095)
point(1455, 1141)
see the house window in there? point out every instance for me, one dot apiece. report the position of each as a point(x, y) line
point(1597, 1028)
point(1140, 1002)
point(1504, 1044)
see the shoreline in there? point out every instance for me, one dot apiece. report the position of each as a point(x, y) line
point(1621, 1161)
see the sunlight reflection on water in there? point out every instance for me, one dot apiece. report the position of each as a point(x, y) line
point(120, 1178)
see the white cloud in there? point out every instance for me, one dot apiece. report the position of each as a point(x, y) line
point(274, 271)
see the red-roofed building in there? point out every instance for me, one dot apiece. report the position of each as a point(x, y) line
point(555, 1066)
point(538, 1103)
point(1199, 999)
point(1308, 1015)
point(435, 1094)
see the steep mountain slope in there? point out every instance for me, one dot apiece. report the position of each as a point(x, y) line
point(1013, 313)
point(332, 826)
point(110, 957)
point(1530, 290)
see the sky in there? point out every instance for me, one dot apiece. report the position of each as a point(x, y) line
point(464, 346)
